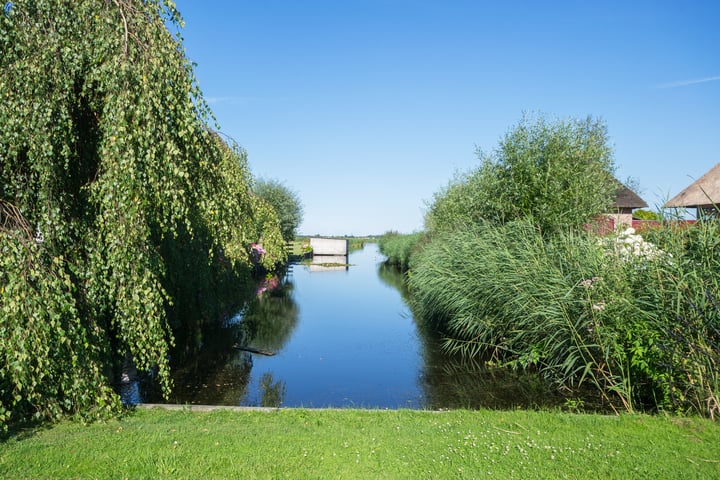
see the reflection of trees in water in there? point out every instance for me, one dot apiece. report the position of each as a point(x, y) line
point(456, 383)
point(392, 277)
point(268, 321)
point(221, 382)
point(453, 382)
point(213, 371)
point(272, 394)
point(450, 382)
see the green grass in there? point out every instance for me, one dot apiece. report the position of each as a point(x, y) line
point(299, 247)
point(298, 443)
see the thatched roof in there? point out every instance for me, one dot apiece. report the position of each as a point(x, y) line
point(626, 198)
point(703, 193)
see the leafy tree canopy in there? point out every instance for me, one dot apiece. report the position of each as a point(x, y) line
point(558, 173)
point(106, 157)
point(286, 203)
point(646, 215)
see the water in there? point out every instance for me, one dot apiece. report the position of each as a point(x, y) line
point(340, 338)
point(355, 342)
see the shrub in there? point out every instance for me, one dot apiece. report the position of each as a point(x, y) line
point(636, 318)
point(560, 174)
point(646, 215)
point(687, 294)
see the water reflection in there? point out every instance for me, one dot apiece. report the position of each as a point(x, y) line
point(343, 338)
point(267, 322)
point(457, 383)
point(393, 278)
point(354, 344)
point(273, 393)
point(218, 370)
point(329, 263)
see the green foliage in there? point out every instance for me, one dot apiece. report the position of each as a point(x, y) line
point(110, 181)
point(506, 294)
point(398, 248)
point(559, 174)
point(49, 361)
point(463, 202)
point(636, 321)
point(687, 295)
point(646, 215)
point(286, 203)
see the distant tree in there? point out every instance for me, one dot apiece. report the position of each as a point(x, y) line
point(286, 203)
point(633, 184)
point(646, 215)
point(559, 173)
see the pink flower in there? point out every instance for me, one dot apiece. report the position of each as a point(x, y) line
point(258, 248)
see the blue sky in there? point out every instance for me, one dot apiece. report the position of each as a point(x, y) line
point(366, 108)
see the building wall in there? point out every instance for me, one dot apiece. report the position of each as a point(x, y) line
point(329, 246)
point(622, 219)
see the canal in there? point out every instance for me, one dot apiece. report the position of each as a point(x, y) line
point(340, 337)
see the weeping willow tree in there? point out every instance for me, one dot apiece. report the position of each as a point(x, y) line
point(107, 166)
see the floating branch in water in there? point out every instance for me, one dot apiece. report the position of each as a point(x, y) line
point(254, 350)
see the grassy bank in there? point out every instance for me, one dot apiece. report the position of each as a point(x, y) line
point(299, 443)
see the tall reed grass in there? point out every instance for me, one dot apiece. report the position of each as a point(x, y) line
point(637, 322)
point(688, 292)
point(398, 248)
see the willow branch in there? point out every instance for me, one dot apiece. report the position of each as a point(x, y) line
point(125, 25)
point(12, 219)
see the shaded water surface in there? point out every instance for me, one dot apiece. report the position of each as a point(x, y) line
point(340, 337)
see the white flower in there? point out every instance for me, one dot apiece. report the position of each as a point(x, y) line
point(627, 245)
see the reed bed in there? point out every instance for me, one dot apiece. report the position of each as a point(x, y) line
point(398, 248)
point(634, 320)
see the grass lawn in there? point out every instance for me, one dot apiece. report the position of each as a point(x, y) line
point(299, 443)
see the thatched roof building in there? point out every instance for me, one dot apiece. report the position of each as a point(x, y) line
point(703, 194)
point(626, 199)
point(621, 209)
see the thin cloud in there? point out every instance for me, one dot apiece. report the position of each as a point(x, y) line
point(214, 100)
point(685, 83)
